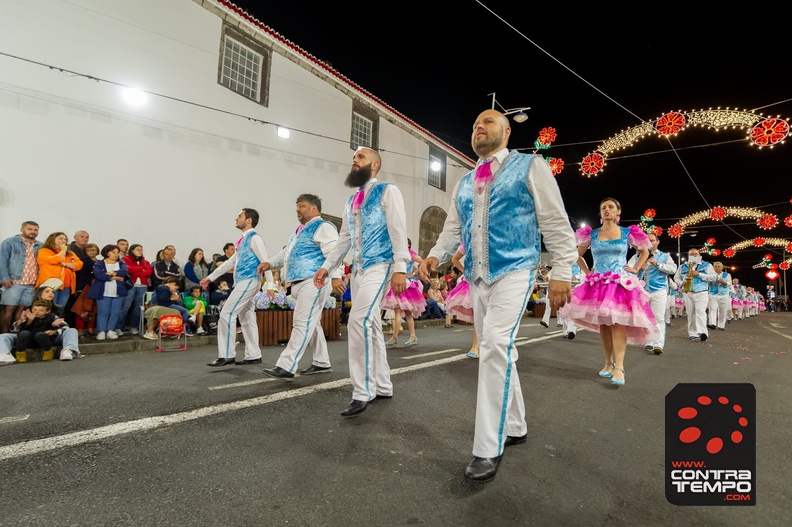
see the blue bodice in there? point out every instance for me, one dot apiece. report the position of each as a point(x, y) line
point(610, 255)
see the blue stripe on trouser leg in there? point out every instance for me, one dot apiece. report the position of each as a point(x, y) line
point(500, 409)
point(229, 317)
point(308, 327)
point(369, 371)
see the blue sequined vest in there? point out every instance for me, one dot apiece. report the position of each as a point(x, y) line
point(375, 244)
point(304, 256)
point(512, 241)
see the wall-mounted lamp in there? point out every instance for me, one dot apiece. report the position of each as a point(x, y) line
point(283, 132)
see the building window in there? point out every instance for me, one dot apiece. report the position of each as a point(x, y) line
point(361, 131)
point(437, 169)
point(365, 127)
point(244, 66)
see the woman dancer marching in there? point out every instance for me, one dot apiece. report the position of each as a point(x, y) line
point(411, 302)
point(610, 299)
point(458, 301)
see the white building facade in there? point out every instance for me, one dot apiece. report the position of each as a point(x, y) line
point(175, 162)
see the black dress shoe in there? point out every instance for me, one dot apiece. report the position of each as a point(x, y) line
point(515, 440)
point(703, 337)
point(278, 373)
point(221, 362)
point(313, 369)
point(383, 397)
point(482, 469)
point(354, 408)
point(249, 361)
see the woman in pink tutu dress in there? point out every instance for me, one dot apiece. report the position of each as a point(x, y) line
point(610, 300)
point(458, 301)
point(411, 301)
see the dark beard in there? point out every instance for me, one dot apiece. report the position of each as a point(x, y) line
point(357, 178)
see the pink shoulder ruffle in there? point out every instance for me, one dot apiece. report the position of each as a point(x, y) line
point(583, 236)
point(461, 248)
point(638, 238)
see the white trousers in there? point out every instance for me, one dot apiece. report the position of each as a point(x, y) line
point(569, 326)
point(657, 301)
point(500, 409)
point(239, 304)
point(696, 307)
point(307, 332)
point(718, 306)
point(369, 371)
point(669, 306)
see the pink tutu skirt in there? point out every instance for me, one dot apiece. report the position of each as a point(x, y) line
point(411, 299)
point(736, 302)
point(678, 302)
point(458, 302)
point(608, 299)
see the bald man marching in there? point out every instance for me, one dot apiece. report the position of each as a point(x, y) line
point(501, 212)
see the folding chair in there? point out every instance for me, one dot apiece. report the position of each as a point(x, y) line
point(172, 326)
point(146, 305)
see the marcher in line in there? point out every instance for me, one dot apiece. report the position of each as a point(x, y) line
point(379, 260)
point(250, 252)
point(500, 212)
point(306, 250)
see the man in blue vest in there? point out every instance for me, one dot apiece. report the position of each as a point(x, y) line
point(654, 276)
point(250, 252)
point(298, 261)
point(379, 262)
point(501, 211)
point(719, 305)
point(694, 280)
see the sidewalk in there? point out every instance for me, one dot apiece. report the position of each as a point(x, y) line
point(129, 342)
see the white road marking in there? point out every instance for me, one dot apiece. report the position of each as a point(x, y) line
point(243, 383)
point(523, 342)
point(13, 419)
point(36, 446)
point(776, 332)
point(420, 355)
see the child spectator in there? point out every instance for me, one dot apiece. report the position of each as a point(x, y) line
point(168, 296)
point(37, 330)
point(196, 304)
point(221, 294)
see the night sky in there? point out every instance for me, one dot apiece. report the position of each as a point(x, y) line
point(590, 74)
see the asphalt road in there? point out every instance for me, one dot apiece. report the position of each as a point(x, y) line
point(148, 438)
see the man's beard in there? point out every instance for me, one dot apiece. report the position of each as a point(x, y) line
point(357, 178)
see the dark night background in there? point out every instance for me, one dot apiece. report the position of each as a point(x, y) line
point(589, 73)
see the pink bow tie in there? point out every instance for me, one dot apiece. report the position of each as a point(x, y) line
point(357, 201)
point(483, 176)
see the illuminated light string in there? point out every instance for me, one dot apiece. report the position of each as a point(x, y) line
point(763, 219)
point(762, 132)
point(758, 242)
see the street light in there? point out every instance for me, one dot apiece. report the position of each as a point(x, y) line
point(679, 248)
point(519, 113)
